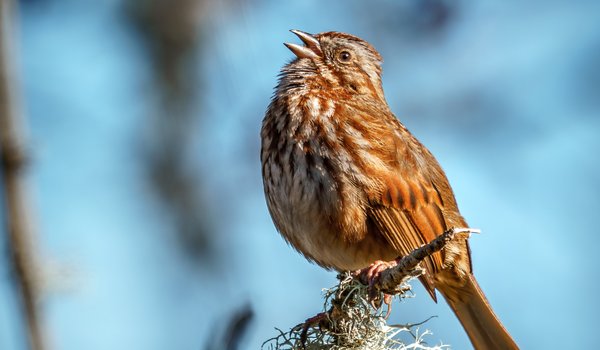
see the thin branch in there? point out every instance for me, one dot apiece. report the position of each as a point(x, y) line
point(408, 267)
point(12, 160)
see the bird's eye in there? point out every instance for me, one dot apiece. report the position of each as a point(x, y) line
point(344, 56)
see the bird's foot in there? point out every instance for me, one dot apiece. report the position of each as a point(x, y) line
point(369, 276)
point(316, 320)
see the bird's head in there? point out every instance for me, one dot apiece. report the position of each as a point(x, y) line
point(339, 61)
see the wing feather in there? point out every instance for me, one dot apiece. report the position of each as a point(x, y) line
point(408, 224)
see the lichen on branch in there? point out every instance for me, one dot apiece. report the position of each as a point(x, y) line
point(350, 321)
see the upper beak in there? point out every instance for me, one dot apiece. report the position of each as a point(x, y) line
point(312, 48)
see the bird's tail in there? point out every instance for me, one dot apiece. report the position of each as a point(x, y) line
point(477, 317)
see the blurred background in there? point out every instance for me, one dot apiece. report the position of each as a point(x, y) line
point(149, 224)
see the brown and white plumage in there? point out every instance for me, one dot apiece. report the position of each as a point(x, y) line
point(347, 184)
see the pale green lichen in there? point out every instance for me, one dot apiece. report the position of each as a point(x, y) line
point(351, 322)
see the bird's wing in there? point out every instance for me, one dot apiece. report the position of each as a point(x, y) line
point(409, 214)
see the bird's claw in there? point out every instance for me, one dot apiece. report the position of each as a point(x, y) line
point(310, 322)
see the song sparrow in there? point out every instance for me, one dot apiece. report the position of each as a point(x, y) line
point(347, 184)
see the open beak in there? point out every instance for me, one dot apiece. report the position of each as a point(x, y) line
point(312, 48)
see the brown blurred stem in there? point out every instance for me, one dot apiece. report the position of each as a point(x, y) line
point(170, 30)
point(12, 161)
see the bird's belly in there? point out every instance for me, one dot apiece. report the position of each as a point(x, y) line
point(327, 249)
point(311, 225)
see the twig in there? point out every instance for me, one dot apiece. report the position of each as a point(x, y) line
point(408, 267)
point(12, 160)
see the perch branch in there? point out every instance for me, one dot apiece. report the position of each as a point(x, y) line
point(12, 160)
point(392, 278)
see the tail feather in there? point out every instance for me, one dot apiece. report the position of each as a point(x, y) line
point(477, 317)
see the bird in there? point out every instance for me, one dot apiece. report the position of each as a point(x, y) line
point(348, 186)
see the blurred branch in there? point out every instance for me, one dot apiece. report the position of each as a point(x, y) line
point(237, 327)
point(12, 159)
point(170, 30)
